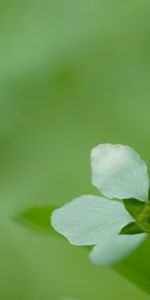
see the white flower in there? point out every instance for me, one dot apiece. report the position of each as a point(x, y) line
point(118, 173)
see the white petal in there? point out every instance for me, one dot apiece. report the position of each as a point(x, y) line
point(118, 172)
point(112, 250)
point(88, 219)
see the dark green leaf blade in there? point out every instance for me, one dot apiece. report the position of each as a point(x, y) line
point(149, 194)
point(134, 207)
point(131, 228)
point(135, 267)
point(37, 218)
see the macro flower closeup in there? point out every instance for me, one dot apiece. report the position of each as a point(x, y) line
point(117, 221)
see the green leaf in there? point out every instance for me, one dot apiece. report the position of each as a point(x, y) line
point(131, 228)
point(135, 267)
point(149, 193)
point(140, 212)
point(134, 207)
point(37, 218)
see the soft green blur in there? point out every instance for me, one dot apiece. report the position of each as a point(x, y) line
point(72, 74)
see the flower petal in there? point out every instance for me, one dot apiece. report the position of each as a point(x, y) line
point(118, 172)
point(112, 250)
point(88, 219)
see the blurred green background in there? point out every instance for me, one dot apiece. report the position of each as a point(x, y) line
point(72, 74)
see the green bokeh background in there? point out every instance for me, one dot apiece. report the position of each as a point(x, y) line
point(72, 74)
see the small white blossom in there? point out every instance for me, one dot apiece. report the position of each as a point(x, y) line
point(118, 173)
